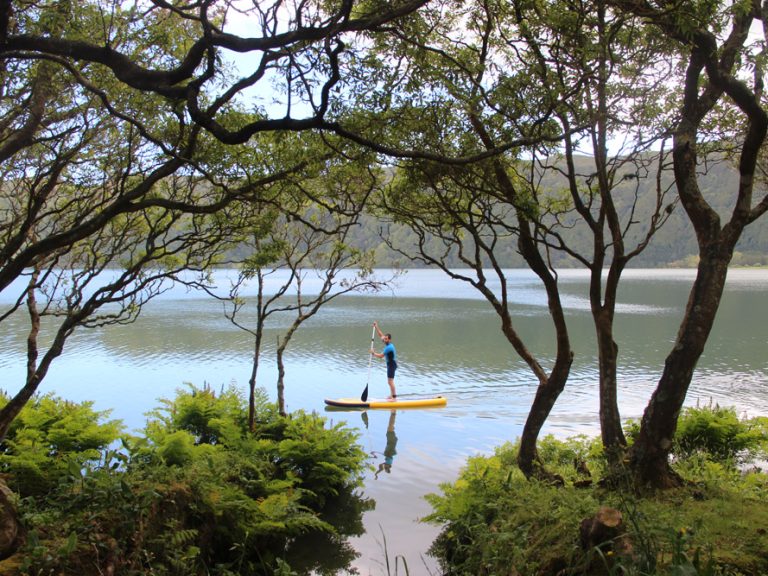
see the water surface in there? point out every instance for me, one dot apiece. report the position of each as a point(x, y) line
point(449, 342)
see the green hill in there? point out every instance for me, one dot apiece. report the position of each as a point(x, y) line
point(673, 245)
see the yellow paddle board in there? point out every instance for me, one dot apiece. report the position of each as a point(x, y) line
point(373, 403)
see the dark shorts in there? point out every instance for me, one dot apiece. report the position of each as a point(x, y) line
point(391, 367)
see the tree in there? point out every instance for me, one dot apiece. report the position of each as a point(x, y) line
point(554, 78)
point(722, 108)
point(468, 92)
point(326, 258)
point(84, 192)
point(184, 54)
point(310, 242)
point(79, 288)
point(456, 214)
point(118, 126)
point(604, 77)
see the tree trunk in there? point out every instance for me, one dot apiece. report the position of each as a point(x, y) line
point(551, 387)
point(258, 336)
point(11, 410)
point(610, 420)
point(280, 379)
point(650, 453)
point(10, 527)
point(14, 406)
point(252, 380)
point(547, 394)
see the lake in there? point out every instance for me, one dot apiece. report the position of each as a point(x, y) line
point(448, 342)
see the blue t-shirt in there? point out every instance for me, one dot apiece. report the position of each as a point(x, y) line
point(390, 354)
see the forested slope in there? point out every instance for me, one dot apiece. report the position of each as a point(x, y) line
point(673, 246)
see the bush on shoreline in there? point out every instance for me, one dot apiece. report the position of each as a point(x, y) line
point(196, 494)
point(497, 522)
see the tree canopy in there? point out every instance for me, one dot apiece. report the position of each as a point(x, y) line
point(144, 142)
point(133, 155)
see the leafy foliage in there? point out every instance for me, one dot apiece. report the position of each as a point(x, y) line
point(720, 433)
point(52, 439)
point(497, 522)
point(208, 418)
point(494, 518)
point(717, 433)
point(197, 494)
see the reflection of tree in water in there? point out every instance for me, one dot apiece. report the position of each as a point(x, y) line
point(328, 553)
point(391, 449)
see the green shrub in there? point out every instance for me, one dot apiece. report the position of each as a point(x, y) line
point(495, 521)
point(197, 494)
point(720, 433)
point(51, 439)
point(321, 458)
point(717, 432)
point(209, 418)
point(177, 448)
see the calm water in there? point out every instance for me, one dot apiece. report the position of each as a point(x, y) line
point(448, 342)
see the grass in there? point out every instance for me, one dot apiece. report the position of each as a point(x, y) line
point(496, 522)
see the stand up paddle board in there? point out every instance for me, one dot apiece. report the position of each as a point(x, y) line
point(384, 404)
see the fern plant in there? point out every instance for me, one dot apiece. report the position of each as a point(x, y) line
point(198, 493)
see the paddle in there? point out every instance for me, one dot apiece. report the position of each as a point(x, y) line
point(364, 396)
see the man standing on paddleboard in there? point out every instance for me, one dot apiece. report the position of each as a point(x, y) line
point(390, 355)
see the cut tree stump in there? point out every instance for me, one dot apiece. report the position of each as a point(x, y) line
point(605, 530)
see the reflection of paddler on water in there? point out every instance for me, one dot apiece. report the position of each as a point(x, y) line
point(391, 449)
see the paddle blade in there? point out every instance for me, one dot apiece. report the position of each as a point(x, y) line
point(364, 395)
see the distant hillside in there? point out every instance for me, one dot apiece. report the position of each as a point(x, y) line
point(673, 245)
